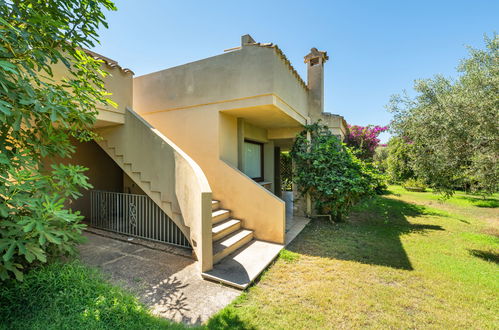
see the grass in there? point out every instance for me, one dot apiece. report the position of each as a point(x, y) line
point(403, 260)
point(72, 296)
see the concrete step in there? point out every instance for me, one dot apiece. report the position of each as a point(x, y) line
point(219, 215)
point(230, 243)
point(224, 228)
point(244, 265)
point(215, 205)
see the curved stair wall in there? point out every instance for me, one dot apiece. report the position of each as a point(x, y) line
point(167, 175)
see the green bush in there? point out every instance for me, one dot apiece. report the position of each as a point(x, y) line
point(330, 172)
point(414, 185)
point(34, 224)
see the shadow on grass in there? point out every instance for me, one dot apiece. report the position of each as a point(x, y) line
point(480, 201)
point(371, 234)
point(228, 319)
point(486, 255)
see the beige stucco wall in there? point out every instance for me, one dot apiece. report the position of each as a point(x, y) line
point(336, 123)
point(118, 83)
point(130, 186)
point(248, 72)
point(255, 133)
point(227, 139)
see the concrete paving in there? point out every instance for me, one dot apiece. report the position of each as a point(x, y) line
point(243, 266)
point(170, 284)
point(294, 226)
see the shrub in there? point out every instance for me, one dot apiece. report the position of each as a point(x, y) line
point(330, 172)
point(364, 139)
point(34, 223)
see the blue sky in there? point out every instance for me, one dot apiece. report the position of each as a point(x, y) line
point(376, 48)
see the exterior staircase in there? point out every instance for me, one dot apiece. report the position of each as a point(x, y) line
point(227, 233)
point(238, 258)
point(138, 175)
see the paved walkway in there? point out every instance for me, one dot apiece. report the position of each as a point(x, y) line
point(168, 283)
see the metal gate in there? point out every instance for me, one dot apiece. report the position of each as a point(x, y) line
point(134, 215)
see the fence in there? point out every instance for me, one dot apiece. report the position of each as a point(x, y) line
point(134, 215)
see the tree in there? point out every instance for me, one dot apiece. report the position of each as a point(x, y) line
point(399, 161)
point(364, 139)
point(38, 118)
point(330, 172)
point(453, 124)
point(380, 157)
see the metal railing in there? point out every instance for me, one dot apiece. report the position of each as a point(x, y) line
point(134, 215)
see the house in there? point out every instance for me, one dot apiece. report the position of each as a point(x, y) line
point(191, 154)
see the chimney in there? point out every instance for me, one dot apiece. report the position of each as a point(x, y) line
point(315, 81)
point(247, 39)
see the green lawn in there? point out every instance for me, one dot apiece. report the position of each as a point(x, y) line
point(403, 260)
point(72, 296)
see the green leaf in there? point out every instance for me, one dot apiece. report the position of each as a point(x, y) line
point(29, 227)
point(10, 252)
point(5, 108)
point(52, 239)
point(4, 210)
point(7, 66)
point(18, 274)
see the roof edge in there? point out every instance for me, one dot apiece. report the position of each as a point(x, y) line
point(282, 56)
point(109, 62)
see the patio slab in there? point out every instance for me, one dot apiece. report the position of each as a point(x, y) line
point(296, 225)
point(242, 267)
point(170, 284)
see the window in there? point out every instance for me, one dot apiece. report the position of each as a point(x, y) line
point(253, 160)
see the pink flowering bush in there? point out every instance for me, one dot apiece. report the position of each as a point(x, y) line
point(364, 139)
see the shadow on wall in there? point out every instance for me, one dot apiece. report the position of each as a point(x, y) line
point(371, 234)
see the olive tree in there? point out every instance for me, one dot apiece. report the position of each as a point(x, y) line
point(453, 124)
point(38, 118)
